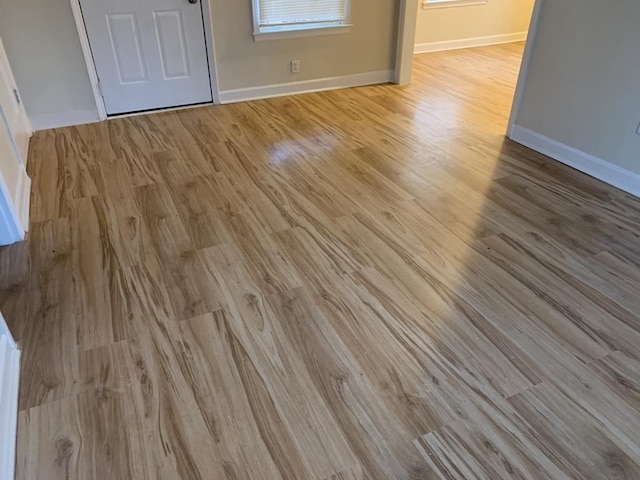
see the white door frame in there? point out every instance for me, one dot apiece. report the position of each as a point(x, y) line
point(93, 73)
point(408, 18)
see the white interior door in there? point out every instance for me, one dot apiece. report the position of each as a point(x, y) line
point(149, 54)
point(15, 185)
point(14, 112)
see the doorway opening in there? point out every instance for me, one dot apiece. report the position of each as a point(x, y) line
point(444, 25)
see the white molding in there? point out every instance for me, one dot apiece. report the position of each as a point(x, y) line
point(88, 59)
point(469, 42)
point(9, 388)
point(596, 167)
point(266, 35)
point(66, 119)
point(305, 86)
point(428, 5)
point(524, 66)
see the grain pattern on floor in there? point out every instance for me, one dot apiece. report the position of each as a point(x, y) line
point(369, 283)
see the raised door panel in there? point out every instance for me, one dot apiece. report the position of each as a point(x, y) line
point(126, 46)
point(172, 44)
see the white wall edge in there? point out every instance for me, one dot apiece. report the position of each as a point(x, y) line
point(305, 86)
point(524, 65)
point(596, 167)
point(8, 435)
point(9, 388)
point(66, 119)
point(407, 24)
point(13, 390)
point(469, 42)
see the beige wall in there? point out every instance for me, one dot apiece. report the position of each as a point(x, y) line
point(368, 47)
point(496, 17)
point(43, 48)
point(583, 82)
point(44, 51)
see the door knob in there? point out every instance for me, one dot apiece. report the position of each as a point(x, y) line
point(193, 1)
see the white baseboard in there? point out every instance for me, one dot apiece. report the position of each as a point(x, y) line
point(9, 386)
point(64, 119)
point(469, 42)
point(305, 86)
point(596, 167)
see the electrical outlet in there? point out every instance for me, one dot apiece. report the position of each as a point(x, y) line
point(295, 66)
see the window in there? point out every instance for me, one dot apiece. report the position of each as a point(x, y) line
point(427, 4)
point(285, 18)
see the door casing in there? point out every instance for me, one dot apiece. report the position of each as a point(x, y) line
point(93, 74)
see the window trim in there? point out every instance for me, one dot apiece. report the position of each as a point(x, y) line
point(298, 30)
point(429, 4)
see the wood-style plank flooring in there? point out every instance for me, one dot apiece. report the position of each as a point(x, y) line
point(370, 283)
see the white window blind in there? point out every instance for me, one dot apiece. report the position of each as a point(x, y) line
point(283, 13)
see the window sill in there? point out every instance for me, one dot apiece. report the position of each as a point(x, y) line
point(282, 33)
point(451, 3)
